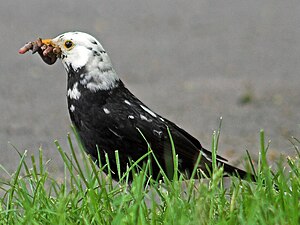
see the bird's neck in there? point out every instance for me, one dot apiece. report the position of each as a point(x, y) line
point(96, 74)
point(91, 86)
point(94, 80)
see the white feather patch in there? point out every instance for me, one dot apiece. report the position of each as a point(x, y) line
point(106, 111)
point(148, 111)
point(74, 93)
point(127, 102)
point(88, 54)
point(72, 108)
point(145, 118)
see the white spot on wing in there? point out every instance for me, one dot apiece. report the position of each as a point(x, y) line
point(74, 93)
point(131, 117)
point(106, 111)
point(148, 111)
point(72, 108)
point(162, 119)
point(145, 118)
point(127, 102)
point(158, 132)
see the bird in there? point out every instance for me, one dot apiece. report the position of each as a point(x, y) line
point(108, 117)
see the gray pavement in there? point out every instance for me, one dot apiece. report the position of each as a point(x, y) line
point(190, 61)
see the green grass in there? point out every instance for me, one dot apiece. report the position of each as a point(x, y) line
point(87, 196)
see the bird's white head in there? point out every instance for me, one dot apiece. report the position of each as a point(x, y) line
point(82, 53)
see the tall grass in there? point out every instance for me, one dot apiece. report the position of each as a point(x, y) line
point(87, 196)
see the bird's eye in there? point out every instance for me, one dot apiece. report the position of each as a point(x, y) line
point(69, 44)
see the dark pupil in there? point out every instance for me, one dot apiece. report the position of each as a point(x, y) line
point(68, 44)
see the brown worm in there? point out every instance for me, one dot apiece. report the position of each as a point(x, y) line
point(48, 53)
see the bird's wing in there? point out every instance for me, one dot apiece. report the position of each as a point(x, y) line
point(193, 140)
point(129, 119)
point(132, 122)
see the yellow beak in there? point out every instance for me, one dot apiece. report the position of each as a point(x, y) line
point(56, 49)
point(48, 42)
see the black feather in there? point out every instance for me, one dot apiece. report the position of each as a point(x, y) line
point(108, 120)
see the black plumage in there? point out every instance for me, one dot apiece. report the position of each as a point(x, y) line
point(108, 117)
point(110, 120)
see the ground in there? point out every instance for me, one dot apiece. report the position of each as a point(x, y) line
point(190, 62)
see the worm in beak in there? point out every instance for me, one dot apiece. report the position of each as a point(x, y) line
point(48, 50)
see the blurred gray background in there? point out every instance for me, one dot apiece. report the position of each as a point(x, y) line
point(190, 61)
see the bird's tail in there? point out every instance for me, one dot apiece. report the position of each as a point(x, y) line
point(206, 161)
point(234, 171)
